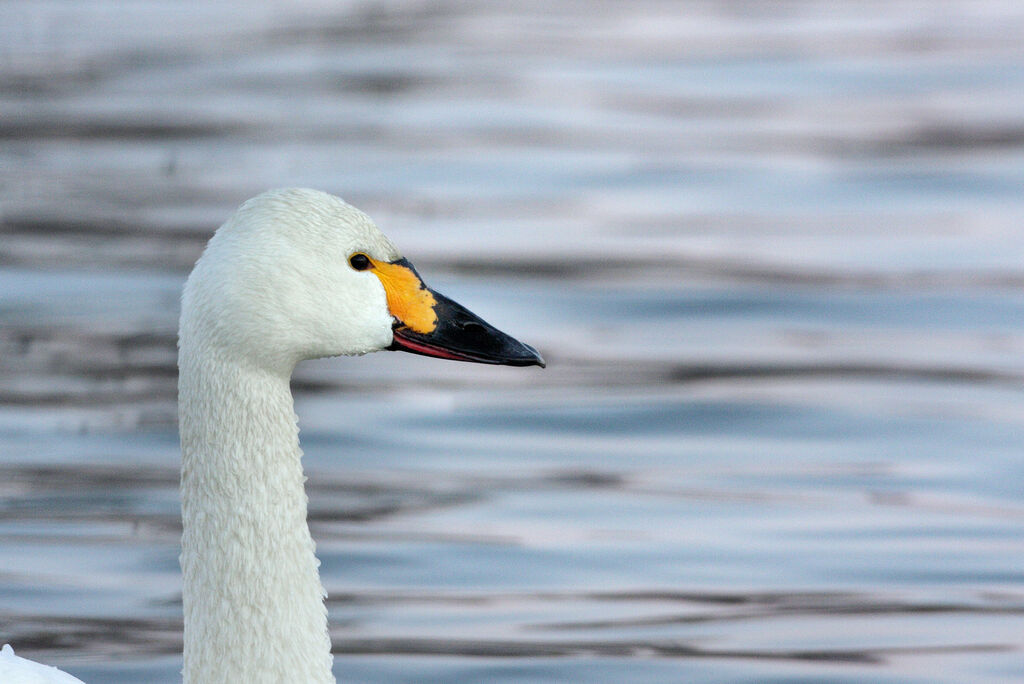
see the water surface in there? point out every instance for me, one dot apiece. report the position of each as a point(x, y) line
point(773, 257)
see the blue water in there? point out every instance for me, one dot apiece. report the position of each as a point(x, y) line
point(773, 258)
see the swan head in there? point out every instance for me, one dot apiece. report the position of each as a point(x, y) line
point(297, 274)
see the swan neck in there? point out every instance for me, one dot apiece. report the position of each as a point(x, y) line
point(252, 597)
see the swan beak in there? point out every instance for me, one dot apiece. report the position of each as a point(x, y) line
point(428, 323)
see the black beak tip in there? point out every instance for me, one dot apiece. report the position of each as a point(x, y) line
point(516, 353)
point(534, 358)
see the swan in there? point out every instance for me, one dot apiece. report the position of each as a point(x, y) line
point(294, 274)
point(17, 670)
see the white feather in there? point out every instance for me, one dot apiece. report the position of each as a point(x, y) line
point(273, 287)
point(17, 670)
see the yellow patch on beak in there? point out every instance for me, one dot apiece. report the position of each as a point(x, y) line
point(409, 300)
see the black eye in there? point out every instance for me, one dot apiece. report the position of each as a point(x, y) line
point(360, 262)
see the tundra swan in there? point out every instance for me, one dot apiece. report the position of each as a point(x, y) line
point(294, 274)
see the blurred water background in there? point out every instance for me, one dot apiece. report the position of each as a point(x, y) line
point(772, 251)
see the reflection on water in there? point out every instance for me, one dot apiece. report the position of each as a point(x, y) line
point(773, 259)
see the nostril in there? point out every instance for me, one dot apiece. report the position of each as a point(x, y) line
point(471, 327)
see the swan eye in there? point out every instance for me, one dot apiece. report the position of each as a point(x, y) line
point(360, 262)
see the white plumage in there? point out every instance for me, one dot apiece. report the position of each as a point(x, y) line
point(17, 670)
point(273, 287)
